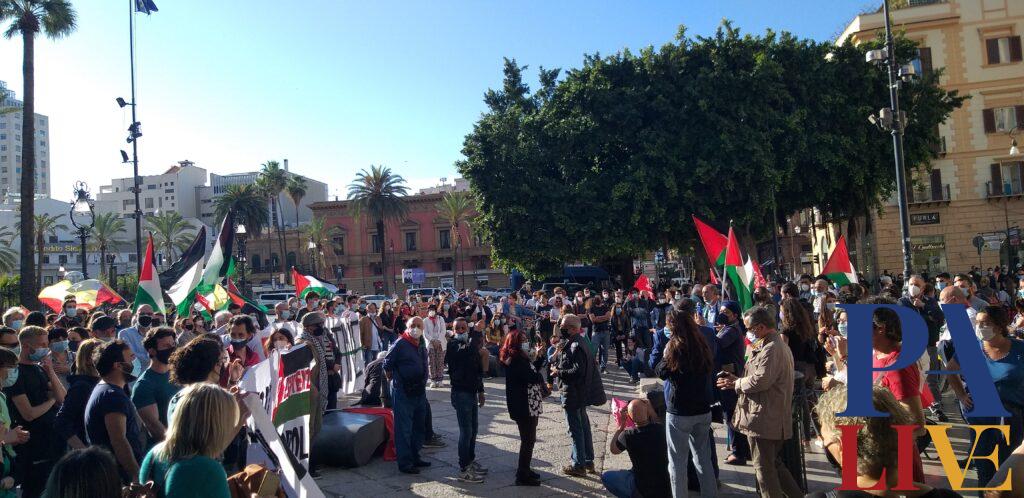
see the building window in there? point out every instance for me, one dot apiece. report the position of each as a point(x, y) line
point(254, 261)
point(62, 258)
point(149, 203)
point(150, 187)
point(338, 245)
point(481, 263)
point(444, 239)
point(1003, 50)
point(3, 136)
point(291, 258)
point(375, 242)
point(410, 241)
point(1006, 179)
point(46, 259)
point(446, 264)
point(274, 262)
point(1002, 119)
point(376, 269)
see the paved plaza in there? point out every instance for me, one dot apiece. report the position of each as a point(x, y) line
point(498, 444)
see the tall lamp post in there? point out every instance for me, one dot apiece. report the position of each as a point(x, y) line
point(312, 256)
point(1014, 152)
point(893, 120)
point(83, 218)
point(240, 235)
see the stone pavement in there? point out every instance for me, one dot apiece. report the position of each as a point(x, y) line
point(498, 445)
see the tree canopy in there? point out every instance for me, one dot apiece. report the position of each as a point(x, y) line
point(612, 158)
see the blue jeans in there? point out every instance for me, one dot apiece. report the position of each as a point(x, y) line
point(369, 355)
point(410, 418)
point(687, 434)
point(602, 340)
point(466, 413)
point(620, 483)
point(579, 432)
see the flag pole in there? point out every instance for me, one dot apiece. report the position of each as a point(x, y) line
point(725, 265)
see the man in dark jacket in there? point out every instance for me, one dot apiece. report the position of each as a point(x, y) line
point(375, 388)
point(573, 368)
point(463, 361)
point(406, 366)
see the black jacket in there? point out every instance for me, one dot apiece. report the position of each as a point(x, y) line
point(574, 370)
point(686, 393)
point(71, 416)
point(519, 375)
point(374, 386)
point(463, 361)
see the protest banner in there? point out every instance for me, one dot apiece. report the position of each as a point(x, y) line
point(350, 353)
point(279, 427)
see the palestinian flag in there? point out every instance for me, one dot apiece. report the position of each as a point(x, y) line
point(183, 277)
point(87, 293)
point(739, 272)
point(294, 385)
point(839, 269)
point(713, 241)
point(304, 284)
point(219, 262)
point(149, 283)
point(249, 307)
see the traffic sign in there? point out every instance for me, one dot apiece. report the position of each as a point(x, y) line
point(979, 243)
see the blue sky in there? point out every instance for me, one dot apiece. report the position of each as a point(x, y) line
point(332, 85)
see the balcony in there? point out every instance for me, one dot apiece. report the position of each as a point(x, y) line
point(929, 195)
point(1010, 188)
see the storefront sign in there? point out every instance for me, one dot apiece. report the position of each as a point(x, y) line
point(924, 219)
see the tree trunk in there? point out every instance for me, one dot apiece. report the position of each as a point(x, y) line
point(103, 262)
point(383, 252)
point(276, 223)
point(298, 239)
point(39, 263)
point(30, 284)
point(455, 258)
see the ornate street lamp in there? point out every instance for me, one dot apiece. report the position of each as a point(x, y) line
point(83, 218)
point(240, 235)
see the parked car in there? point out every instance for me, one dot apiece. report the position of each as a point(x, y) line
point(270, 299)
point(492, 293)
point(377, 299)
point(429, 292)
point(570, 288)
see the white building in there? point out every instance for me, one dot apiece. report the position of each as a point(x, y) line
point(176, 189)
point(10, 147)
point(460, 185)
point(62, 248)
point(315, 192)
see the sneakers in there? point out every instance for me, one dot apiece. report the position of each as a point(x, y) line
point(590, 468)
point(479, 469)
point(573, 471)
point(469, 476)
point(434, 443)
point(938, 413)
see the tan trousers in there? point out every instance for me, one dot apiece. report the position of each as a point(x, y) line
point(773, 477)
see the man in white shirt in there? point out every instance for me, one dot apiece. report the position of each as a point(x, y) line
point(435, 332)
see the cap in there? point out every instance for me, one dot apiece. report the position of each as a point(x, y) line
point(312, 318)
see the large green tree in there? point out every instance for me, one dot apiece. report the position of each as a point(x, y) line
point(272, 181)
point(171, 233)
point(249, 205)
point(378, 194)
point(106, 235)
point(612, 159)
point(27, 18)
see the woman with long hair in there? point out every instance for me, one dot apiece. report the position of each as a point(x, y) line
point(524, 396)
point(687, 369)
point(801, 337)
point(200, 430)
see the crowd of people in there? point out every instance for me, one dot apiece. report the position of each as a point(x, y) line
point(109, 400)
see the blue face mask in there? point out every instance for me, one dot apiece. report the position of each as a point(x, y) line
point(12, 377)
point(59, 346)
point(667, 331)
point(16, 350)
point(843, 328)
point(941, 285)
point(38, 354)
point(16, 325)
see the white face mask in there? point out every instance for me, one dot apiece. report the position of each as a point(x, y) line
point(415, 332)
point(805, 287)
point(751, 337)
point(913, 290)
point(985, 332)
point(282, 346)
point(431, 314)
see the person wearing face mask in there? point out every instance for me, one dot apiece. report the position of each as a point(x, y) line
point(878, 433)
point(661, 310)
point(406, 368)
point(36, 396)
point(75, 337)
point(185, 330)
point(70, 422)
point(928, 307)
point(153, 391)
point(463, 361)
point(9, 340)
point(282, 314)
point(329, 381)
point(1004, 359)
point(967, 287)
point(573, 367)
point(60, 353)
point(133, 336)
point(435, 332)
point(708, 313)
point(600, 315)
point(620, 326)
point(312, 303)
point(241, 333)
point(525, 391)
point(10, 435)
point(14, 317)
point(111, 421)
point(729, 348)
point(70, 315)
point(280, 340)
point(370, 334)
point(375, 387)
point(805, 287)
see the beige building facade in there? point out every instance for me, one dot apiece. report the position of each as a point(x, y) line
point(975, 187)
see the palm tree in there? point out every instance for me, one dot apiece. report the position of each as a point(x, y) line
point(248, 204)
point(42, 225)
point(296, 190)
point(8, 256)
point(27, 17)
point(272, 181)
point(105, 235)
point(378, 193)
point(455, 208)
point(319, 233)
point(171, 233)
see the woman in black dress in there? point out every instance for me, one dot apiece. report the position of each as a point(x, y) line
point(524, 396)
